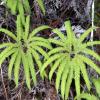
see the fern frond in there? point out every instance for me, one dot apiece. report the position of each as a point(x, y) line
point(54, 67)
point(19, 28)
point(21, 11)
point(92, 53)
point(11, 64)
point(33, 39)
point(41, 5)
point(56, 50)
point(64, 79)
point(41, 51)
point(14, 7)
point(59, 73)
point(5, 51)
point(86, 96)
point(57, 42)
point(91, 43)
point(84, 74)
point(8, 33)
point(60, 34)
point(31, 65)
point(27, 6)
point(17, 68)
point(4, 45)
point(26, 69)
point(37, 30)
point(38, 61)
point(77, 77)
point(27, 26)
point(70, 34)
point(90, 63)
point(6, 55)
point(50, 60)
point(36, 57)
point(68, 82)
point(97, 85)
point(41, 44)
point(86, 33)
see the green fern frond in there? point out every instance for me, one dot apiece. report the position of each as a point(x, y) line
point(86, 96)
point(68, 82)
point(86, 33)
point(70, 34)
point(84, 74)
point(97, 85)
point(31, 66)
point(77, 77)
point(90, 63)
point(64, 79)
point(91, 43)
point(4, 45)
point(59, 73)
point(56, 50)
point(19, 28)
point(6, 55)
point(60, 34)
point(38, 29)
point(41, 44)
point(92, 53)
point(27, 6)
point(8, 33)
point(38, 39)
point(54, 67)
point(27, 26)
point(11, 63)
point(17, 68)
point(57, 42)
point(21, 11)
point(41, 51)
point(41, 5)
point(26, 69)
point(50, 60)
point(5, 51)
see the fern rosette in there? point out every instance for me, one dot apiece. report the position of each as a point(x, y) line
point(69, 58)
point(26, 50)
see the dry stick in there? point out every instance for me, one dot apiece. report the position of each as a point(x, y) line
point(5, 92)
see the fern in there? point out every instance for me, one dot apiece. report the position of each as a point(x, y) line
point(68, 58)
point(23, 51)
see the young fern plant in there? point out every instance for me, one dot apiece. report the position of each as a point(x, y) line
point(26, 51)
point(69, 58)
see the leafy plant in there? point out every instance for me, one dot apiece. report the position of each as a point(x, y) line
point(22, 6)
point(70, 57)
point(26, 50)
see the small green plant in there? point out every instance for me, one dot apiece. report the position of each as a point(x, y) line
point(22, 7)
point(26, 50)
point(70, 57)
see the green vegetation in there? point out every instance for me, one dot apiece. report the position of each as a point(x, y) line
point(68, 55)
point(69, 58)
point(23, 50)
